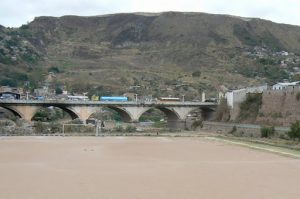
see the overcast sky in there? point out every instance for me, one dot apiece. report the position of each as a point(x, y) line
point(14, 13)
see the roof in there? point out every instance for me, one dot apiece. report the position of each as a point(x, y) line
point(288, 83)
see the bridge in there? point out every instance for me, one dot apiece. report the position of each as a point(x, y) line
point(130, 111)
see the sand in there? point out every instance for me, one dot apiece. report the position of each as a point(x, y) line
point(141, 167)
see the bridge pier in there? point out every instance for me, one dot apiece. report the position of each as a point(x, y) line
point(26, 112)
point(135, 112)
point(84, 112)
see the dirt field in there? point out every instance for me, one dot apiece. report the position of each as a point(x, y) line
point(141, 168)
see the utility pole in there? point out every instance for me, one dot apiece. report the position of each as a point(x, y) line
point(27, 92)
point(182, 98)
point(97, 128)
point(63, 130)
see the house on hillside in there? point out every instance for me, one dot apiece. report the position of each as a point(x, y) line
point(9, 95)
point(286, 86)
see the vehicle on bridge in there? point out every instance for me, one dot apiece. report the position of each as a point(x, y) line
point(114, 99)
point(39, 98)
point(215, 100)
point(168, 99)
point(78, 98)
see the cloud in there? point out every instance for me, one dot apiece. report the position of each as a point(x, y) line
point(15, 12)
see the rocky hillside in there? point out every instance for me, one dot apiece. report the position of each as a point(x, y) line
point(160, 54)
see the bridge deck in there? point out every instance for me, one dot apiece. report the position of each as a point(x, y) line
point(95, 103)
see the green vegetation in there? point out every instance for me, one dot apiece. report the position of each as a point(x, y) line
point(250, 107)
point(233, 130)
point(296, 78)
point(267, 131)
point(196, 124)
point(153, 115)
point(8, 82)
point(244, 35)
point(268, 39)
point(294, 133)
point(119, 128)
point(272, 72)
point(48, 115)
point(47, 128)
point(130, 128)
point(267, 61)
point(196, 73)
point(54, 69)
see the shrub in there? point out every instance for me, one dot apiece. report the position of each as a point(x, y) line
point(55, 128)
point(267, 131)
point(233, 130)
point(197, 123)
point(283, 135)
point(295, 130)
point(119, 128)
point(130, 128)
point(250, 107)
point(40, 127)
point(196, 73)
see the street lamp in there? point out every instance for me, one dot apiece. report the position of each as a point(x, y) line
point(136, 97)
point(27, 95)
point(182, 98)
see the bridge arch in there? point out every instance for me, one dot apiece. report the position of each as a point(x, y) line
point(13, 111)
point(70, 112)
point(170, 113)
point(125, 115)
point(205, 112)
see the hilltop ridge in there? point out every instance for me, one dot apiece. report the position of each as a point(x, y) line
point(159, 51)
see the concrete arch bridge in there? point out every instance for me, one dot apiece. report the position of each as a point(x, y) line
point(176, 112)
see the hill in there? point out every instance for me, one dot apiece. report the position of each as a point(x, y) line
point(168, 53)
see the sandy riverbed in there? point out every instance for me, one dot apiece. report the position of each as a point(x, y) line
point(144, 167)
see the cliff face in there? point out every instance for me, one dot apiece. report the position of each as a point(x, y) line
point(159, 47)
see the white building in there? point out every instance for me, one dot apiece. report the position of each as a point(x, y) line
point(285, 85)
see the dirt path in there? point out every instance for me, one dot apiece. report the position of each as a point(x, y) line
point(144, 167)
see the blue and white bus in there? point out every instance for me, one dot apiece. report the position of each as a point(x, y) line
point(114, 99)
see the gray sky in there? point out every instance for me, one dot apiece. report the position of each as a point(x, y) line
point(14, 13)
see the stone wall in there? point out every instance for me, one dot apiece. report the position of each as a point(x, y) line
point(224, 128)
point(279, 108)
